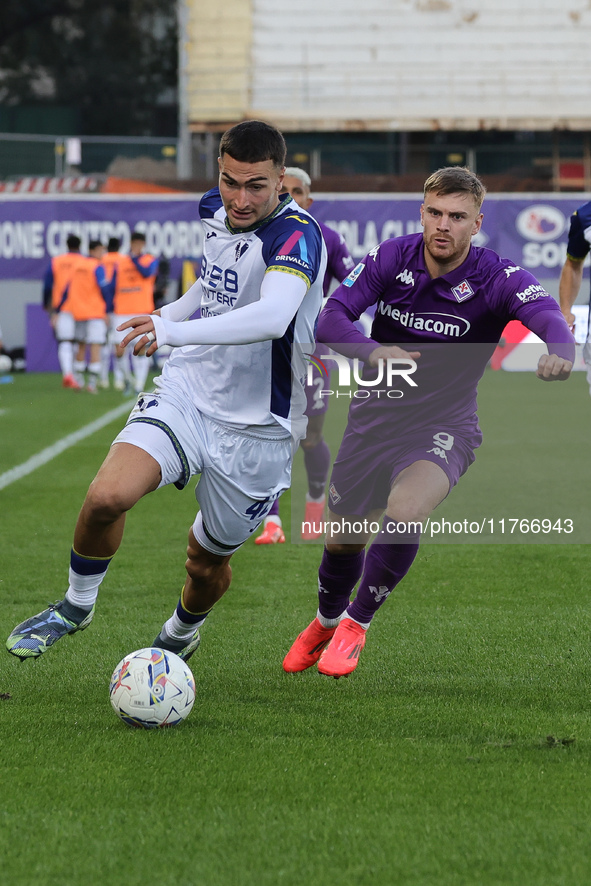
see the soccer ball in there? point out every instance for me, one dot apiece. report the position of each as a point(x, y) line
point(5, 363)
point(152, 688)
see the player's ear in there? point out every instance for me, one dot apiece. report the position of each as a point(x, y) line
point(477, 223)
point(309, 203)
point(422, 211)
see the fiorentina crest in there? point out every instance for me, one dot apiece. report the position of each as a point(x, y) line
point(463, 291)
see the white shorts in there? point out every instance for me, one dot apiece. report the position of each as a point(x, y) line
point(91, 332)
point(242, 472)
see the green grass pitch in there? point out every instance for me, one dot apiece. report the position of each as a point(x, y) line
point(458, 753)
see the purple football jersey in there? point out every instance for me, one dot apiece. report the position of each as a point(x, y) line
point(455, 321)
point(339, 262)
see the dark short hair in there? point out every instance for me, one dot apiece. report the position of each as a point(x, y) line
point(113, 244)
point(93, 244)
point(254, 141)
point(73, 241)
point(454, 180)
point(137, 235)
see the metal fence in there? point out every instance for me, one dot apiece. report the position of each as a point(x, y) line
point(55, 155)
point(537, 161)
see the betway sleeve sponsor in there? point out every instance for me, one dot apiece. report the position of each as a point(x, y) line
point(516, 293)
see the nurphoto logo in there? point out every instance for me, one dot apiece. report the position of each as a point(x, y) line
point(389, 371)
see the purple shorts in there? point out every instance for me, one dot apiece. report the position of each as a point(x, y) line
point(366, 465)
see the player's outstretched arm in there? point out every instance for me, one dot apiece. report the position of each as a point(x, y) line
point(184, 306)
point(552, 328)
point(263, 320)
point(393, 351)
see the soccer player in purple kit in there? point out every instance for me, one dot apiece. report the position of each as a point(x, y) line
point(403, 456)
point(297, 184)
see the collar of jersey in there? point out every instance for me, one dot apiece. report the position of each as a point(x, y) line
point(264, 221)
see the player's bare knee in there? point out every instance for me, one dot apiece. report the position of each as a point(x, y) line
point(203, 572)
point(407, 515)
point(408, 509)
point(105, 503)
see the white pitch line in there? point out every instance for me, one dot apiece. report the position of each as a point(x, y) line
point(36, 461)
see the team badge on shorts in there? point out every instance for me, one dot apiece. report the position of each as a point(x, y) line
point(145, 402)
point(333, 494)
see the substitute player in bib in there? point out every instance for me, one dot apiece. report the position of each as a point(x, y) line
point(57, 277)
point(441, 306)
point(133, 280)
point(229, 404)
point(297, 184)
point(82, 314)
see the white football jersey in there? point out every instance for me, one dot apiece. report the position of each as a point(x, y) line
point(259, 384)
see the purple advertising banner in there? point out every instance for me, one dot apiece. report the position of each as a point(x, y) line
point(531, 230)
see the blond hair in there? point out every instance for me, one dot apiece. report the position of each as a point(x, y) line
point(454, 179)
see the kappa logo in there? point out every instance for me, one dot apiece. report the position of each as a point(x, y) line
point(512, 269)
point(406, 276)
point(374, 252)
point(462, 291)
point(443, 443)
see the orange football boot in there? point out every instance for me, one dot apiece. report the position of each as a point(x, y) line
point(272, 534)
point(340, 657)
point(307, 647)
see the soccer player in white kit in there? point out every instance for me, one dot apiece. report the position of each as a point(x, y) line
point(229, 404)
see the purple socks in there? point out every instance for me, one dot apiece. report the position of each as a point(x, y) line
point(386, 564)
point(337, 576)
point(380, 568)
